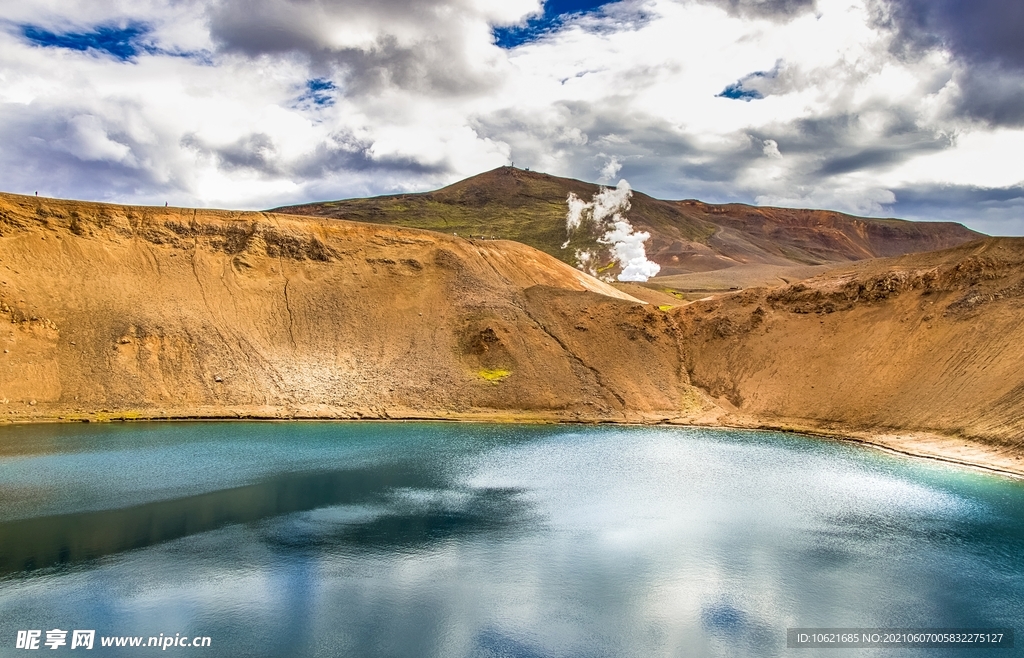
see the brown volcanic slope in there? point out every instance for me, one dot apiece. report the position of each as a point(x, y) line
point(111, 311)
point(141, 312)
point(686, 236)
point(930, 343)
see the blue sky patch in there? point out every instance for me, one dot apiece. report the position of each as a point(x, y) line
point(747, 87)
point(319, 92)
point(555, 12)
point(737, 92)
point(123, 43)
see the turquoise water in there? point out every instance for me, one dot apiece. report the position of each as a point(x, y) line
point(433, 539)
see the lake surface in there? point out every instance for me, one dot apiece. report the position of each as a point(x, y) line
point(435, 539)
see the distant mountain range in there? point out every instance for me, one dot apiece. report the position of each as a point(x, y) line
point(686, 236)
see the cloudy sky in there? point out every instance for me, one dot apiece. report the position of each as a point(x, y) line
point(908, 108)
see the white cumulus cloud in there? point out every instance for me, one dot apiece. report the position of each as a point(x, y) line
point(255, 103)
point(771, 149)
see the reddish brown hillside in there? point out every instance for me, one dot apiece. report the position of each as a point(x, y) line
point(816, 236)
point(686, 236)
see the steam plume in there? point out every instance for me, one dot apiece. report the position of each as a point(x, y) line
point(605, 215)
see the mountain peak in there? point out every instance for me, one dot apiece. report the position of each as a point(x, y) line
point(686, 237)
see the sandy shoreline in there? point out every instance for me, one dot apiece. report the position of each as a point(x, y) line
point(950, 450)
point(920, 445)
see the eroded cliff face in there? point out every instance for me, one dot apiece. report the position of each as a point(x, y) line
point(926, 342)
point(115, 311)
point(121, 312)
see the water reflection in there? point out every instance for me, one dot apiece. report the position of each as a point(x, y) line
point(415, 508)
point(463, 540)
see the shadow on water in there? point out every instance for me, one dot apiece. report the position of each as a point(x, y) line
point(492, 511)
point(74, 538)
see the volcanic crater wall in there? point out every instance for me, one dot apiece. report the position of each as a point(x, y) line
point(141, 312)
point(925, 342)
point(121, 312)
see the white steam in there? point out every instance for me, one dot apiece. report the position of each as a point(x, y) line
point(606, 213)
point(575, 215)
point(628, 250)
point(586, 260)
